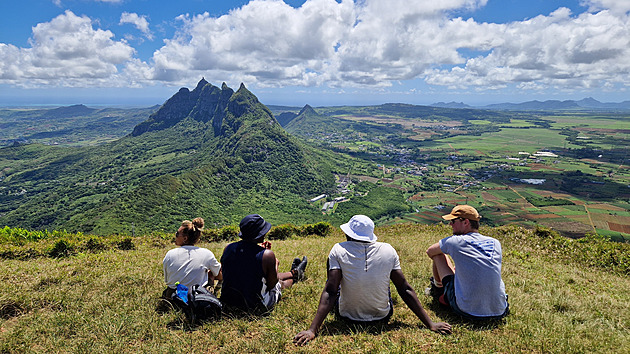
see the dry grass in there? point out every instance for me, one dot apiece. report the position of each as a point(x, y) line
point(105, 302)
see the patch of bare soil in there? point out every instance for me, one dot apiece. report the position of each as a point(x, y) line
point(619, 227)
point(539, 166)
point(487, 196)
point(605, 207)
point(569, 227)
point(541, 216)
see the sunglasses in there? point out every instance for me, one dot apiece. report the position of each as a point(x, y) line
point(453, 221)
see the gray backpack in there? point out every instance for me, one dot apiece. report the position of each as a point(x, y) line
point(202, 305)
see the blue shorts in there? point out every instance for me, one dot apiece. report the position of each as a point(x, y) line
point(449, 296)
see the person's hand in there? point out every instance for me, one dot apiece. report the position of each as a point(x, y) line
point(266, 244)
point(303, 337)
point(441, 327)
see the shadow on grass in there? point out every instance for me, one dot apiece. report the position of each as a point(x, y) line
point(163, 306)
point(342, 327)
point(10, 309)
point(452, 318)
point(182, 322)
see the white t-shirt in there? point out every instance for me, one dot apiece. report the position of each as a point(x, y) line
point(189, 265)
point(365, 270)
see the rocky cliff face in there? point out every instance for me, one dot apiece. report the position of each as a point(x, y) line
point(223, 107)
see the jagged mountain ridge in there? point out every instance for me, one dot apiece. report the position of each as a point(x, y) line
point(208, 152)
point(206, 103)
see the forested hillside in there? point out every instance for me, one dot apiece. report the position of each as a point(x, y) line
point(211, 151)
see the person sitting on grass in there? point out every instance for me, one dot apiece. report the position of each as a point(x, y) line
point(359, 272)
point(188, 264)
point(251, 281)
point(475, 291)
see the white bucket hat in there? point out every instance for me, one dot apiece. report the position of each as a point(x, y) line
point(360, 228)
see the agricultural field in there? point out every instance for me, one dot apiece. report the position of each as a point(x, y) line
point(569, 172)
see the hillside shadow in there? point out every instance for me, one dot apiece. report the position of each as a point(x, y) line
point(452, 318)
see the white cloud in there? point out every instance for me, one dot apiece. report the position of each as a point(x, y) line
point(324, 41)
point(561, 51)
point(140, 22)
point(377, 42)
point(66, 51)
point(616, 6)
point(363, 43)
point(268, 40)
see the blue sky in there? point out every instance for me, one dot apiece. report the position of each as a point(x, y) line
point(317, 52)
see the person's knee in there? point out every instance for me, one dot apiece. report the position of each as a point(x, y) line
point(286, 284)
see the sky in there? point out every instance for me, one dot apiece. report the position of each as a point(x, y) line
point(317, 52)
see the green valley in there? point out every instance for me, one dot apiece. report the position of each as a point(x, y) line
point(221, 154)
point(562, 169)
point(75, 125)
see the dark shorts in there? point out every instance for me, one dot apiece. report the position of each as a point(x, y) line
point(449, 296)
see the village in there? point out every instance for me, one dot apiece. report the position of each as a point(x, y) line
point(431, 170)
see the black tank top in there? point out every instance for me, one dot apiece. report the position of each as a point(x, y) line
point(241, 264)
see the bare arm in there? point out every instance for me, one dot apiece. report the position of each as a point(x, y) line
point(410, 298)
point(212, 277)
point(326, 304)
point(270, 268)
point(434, 250)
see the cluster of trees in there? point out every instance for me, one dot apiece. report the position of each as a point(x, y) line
point(379, 202)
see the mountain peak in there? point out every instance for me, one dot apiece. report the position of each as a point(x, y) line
point(70, 111)
point(201, 83)
point(588, 100)
point(206, 103)
point(307, 110)
point(244, 92)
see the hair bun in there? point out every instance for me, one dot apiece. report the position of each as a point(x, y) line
point(198, 222)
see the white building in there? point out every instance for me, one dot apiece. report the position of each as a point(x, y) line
point(318, 198)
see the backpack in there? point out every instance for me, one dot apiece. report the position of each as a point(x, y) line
point(202, 305)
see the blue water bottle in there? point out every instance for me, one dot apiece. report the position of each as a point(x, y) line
point(182, 292)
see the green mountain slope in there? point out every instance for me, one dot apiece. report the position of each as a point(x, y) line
point(211, 151)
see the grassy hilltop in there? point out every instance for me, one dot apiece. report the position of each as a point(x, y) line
point(80, 293)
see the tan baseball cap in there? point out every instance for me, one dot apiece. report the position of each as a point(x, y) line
point(463, 211)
